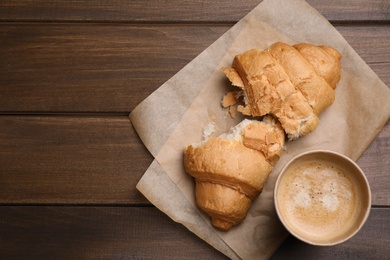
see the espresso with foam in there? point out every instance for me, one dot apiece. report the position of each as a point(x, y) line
point(319, 200)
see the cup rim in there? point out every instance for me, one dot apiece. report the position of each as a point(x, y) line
point(366, 185)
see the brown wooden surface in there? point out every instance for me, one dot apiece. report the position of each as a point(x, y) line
point(70, 73)
point(112, 68)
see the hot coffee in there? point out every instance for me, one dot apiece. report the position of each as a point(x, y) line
point(320, 200)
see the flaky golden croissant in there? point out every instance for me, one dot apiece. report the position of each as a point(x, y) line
point(290, 86)
point(294, 83)
point(231, 170)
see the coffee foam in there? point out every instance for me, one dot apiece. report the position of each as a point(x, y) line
point(319, 199)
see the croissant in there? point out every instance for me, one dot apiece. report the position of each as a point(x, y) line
point(293, 83)
point(230, 170)
point(288, 85)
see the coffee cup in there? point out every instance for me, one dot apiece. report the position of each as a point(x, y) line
point(322, 197)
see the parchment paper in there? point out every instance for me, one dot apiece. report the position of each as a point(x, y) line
point(176, 113)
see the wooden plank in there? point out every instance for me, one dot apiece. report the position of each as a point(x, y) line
point(99, 160)
point(175, 11)
point(92, 68)
point(371, 242)
point(147, 233)
point(70, 159)
point(96, 233)
point(375, 162)
point(104, 68)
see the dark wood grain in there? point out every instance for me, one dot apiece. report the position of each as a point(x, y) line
point(175, 11)
point(70, 159)
point(106, 68)
point(375, 162)
point(96, 233)
point(129, 232)
point(92, 68)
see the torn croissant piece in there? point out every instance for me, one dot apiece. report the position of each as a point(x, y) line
point(293, 83)
point(266, 136)
point(231, 170)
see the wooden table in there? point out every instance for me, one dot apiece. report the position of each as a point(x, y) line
point(70, 73)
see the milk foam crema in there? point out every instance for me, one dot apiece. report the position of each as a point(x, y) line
point(320, 200)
